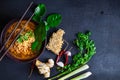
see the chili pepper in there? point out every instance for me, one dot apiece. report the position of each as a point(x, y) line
point(62, 52)
point(59, 56)
point(66, 59)
point(66, 54)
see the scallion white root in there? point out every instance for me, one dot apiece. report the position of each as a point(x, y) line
point(82, 76)
point(74, 72)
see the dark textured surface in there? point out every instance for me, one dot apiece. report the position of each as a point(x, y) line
point(101, 17)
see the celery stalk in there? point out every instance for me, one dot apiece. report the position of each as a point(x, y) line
point(74, 72)
point(82, 76)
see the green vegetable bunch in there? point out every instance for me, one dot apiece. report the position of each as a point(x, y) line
point(40, 32)
point(86, 48)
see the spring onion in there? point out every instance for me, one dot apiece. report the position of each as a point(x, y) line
point(74, 72)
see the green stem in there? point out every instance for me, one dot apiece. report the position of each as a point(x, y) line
point(61, 74)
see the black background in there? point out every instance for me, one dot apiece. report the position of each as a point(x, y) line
point(101, 17)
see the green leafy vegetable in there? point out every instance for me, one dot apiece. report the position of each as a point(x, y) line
point(39, 12)
point(19, 40)
point(25, 36)
point(46, 26)
point(54, 20)
point(86, 48)
point(40, 35)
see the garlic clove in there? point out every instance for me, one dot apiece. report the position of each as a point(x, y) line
point(50, 63)
point(68, 53)
point(60, 64)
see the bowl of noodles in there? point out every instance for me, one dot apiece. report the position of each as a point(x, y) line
point(21, 50)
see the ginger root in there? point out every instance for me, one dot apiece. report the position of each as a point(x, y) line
point(44, 68)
